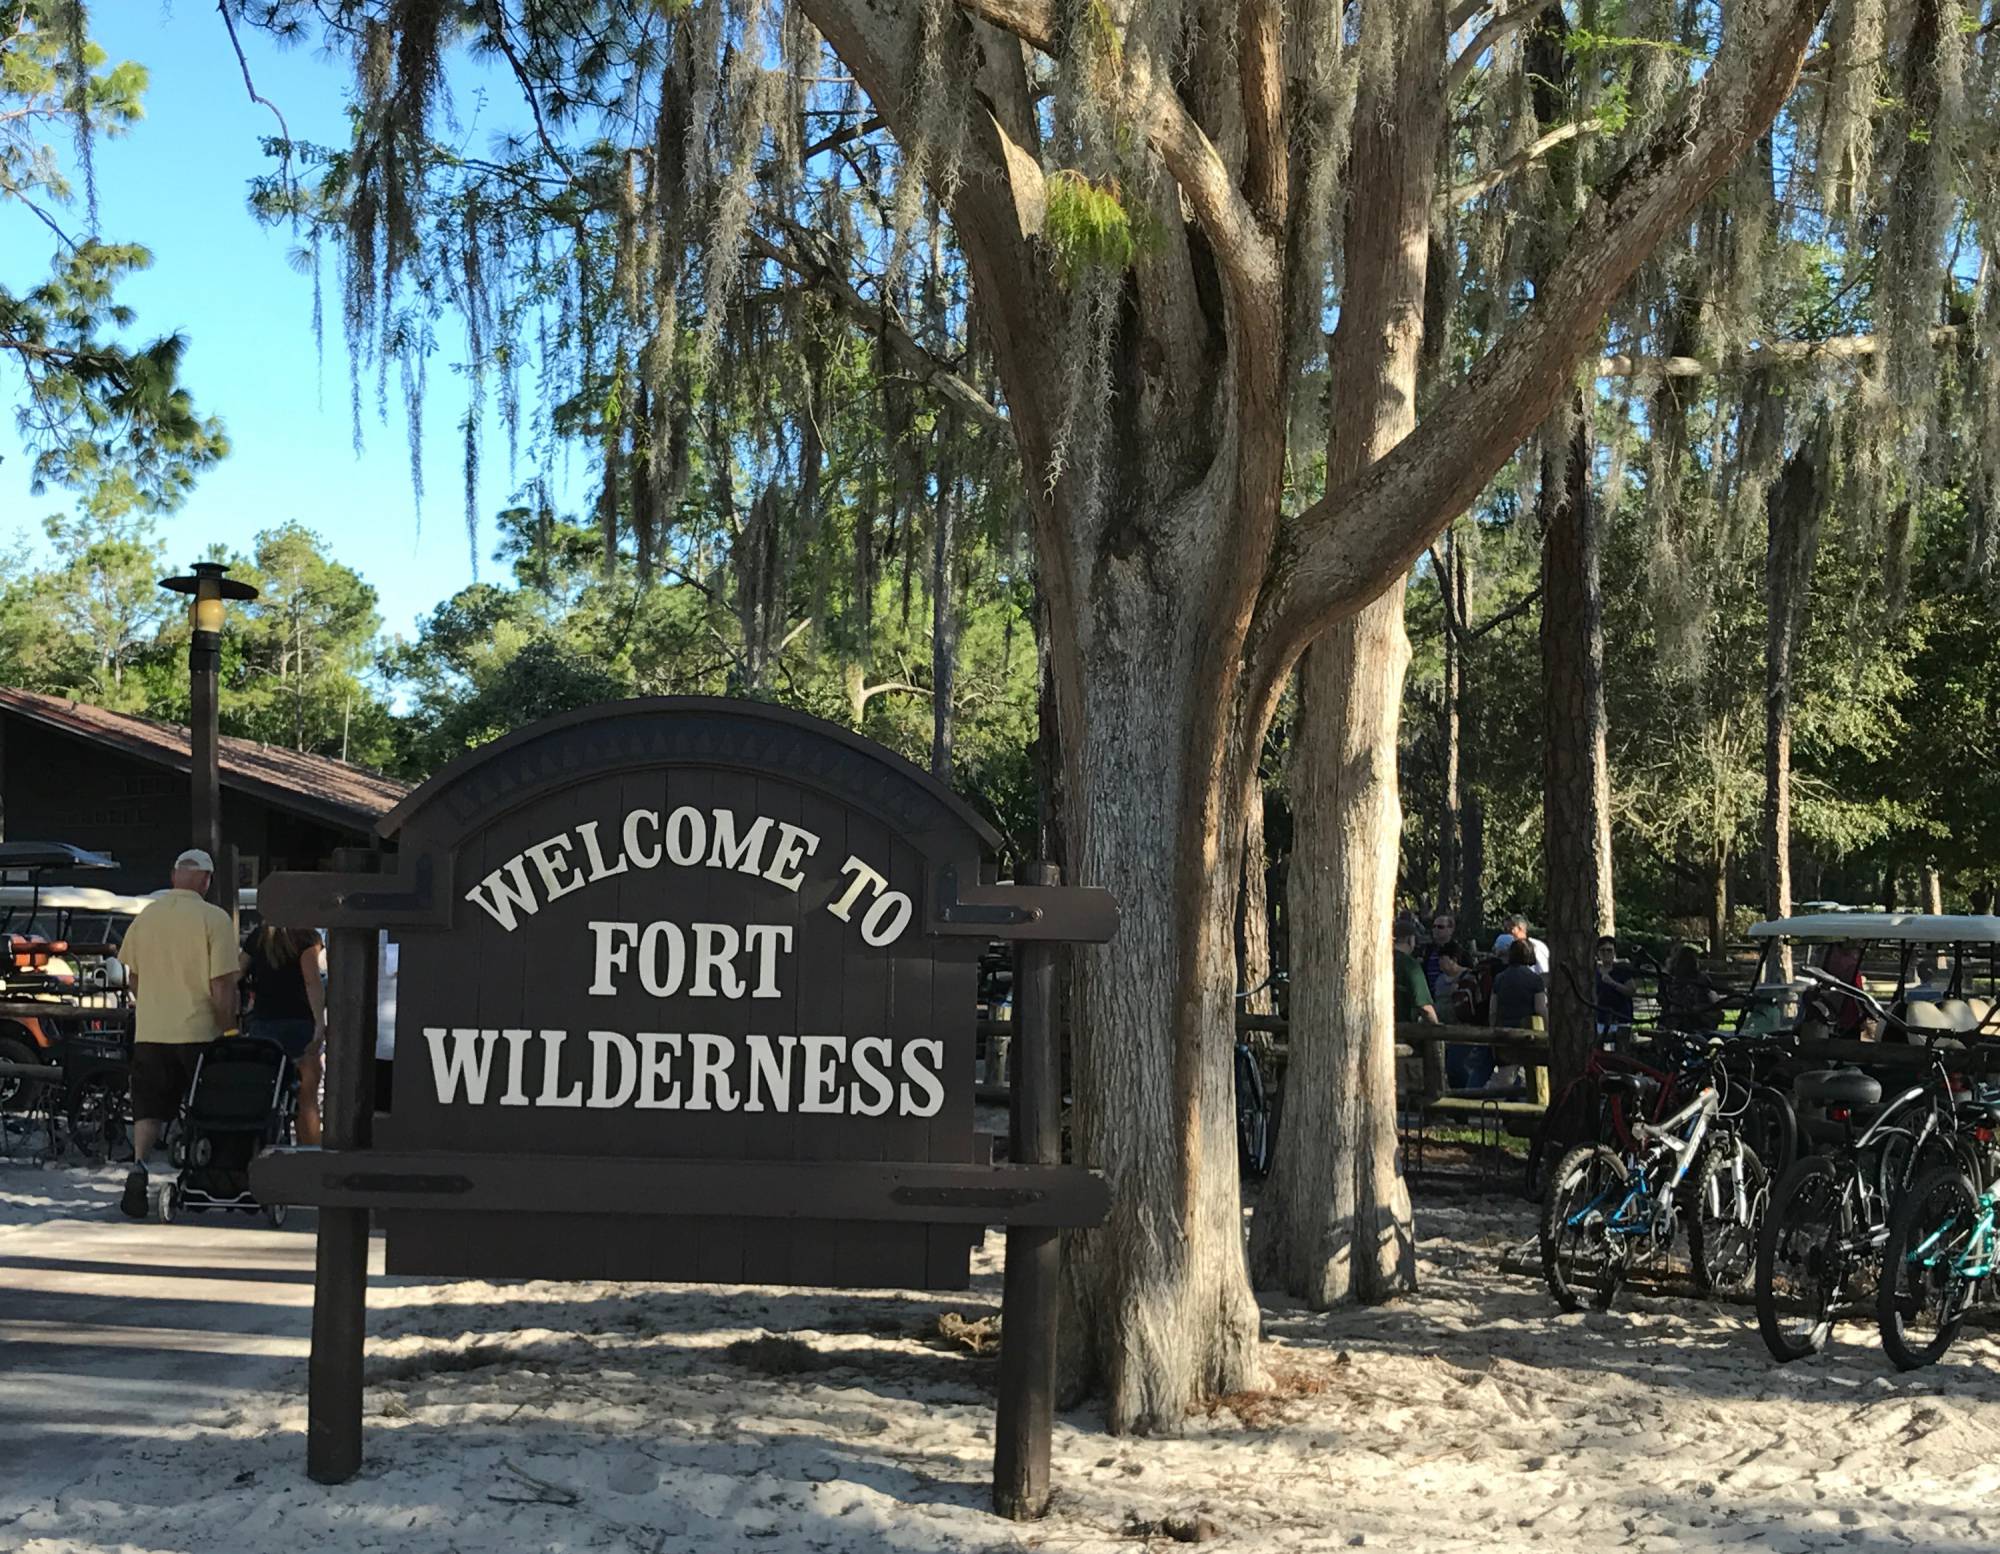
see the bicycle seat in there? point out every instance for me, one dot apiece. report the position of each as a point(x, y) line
point(1634, 1086)
point(1978, 1113)
point(1837, 1087)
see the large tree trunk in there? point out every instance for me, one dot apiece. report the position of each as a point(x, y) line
point(1161, 1306)
point(1334, 1223)
point(1576, 786)
point(1792, 516)
point(1253, 912)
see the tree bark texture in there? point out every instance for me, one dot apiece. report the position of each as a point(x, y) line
point(1448, 733)
point(1334, 1223)
point(1792, 540)
point(1472, 875)
point(944, 630)
point(1160, 1303)
point(1576, 769)
point(1472, 809)
point(1718, 898)
point(1178, 606)
point(1253, 912)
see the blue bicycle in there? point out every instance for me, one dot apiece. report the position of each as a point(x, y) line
point(1606, 1211)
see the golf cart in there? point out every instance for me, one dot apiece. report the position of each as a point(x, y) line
point(1937, 975)
point(44, 999)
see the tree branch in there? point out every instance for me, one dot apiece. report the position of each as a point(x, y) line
point(1500, 172)
point(284, 129)
point(878, 45)
point(929, 369)
point(1765, 356)
point(1266, 164)
point(841, 137)
point(1460, 632)
point(1498, 30)
point(870, 692)
point(1241, 242)
point(1366, 531)
point(497, 20)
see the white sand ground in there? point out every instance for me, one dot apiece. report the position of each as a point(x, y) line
point(610, 1417)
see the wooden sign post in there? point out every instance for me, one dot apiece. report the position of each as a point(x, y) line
point(686, 992)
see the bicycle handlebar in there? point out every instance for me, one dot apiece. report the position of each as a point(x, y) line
point(1821, 977)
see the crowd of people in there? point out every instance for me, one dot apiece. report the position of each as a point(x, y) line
point(1505, 988)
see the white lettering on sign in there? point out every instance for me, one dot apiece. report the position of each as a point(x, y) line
point(688, 838)
point(888, 913)
point(664, 965)
point(867, 1076)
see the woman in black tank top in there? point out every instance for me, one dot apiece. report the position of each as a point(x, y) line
point(288, 1005)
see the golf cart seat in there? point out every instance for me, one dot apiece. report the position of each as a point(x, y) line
point(1837, 1087)
point(1954, 1016)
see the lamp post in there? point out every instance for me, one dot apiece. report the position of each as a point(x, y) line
point(207, 588)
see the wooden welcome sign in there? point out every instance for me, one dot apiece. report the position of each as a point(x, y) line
point(686, 991)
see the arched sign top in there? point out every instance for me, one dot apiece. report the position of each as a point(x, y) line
point(713, 731)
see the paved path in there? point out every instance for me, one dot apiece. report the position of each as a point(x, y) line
point(110, 1327)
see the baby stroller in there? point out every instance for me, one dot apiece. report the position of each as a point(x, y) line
point(240, 1101)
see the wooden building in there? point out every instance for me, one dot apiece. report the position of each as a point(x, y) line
point(118, 784)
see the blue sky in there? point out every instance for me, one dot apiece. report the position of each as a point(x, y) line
point(177, 184)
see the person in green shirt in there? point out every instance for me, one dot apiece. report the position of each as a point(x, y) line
point(1413, 992)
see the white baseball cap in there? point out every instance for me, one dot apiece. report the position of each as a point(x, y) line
point(195, 858)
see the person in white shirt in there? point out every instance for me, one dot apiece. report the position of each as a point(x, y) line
point(1517, 928)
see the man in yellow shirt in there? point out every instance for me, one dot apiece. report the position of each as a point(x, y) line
point(181, 961)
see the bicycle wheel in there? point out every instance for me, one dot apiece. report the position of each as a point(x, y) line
point(1924, 1294)
point(1726, 1207)
point(99, 1119)
point(1581, 1258)
point(1576, 1118)
point(1803, 1257)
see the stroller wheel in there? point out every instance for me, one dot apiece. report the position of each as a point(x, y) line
point(178, 1154)
point(167, 1202)
point(275, 1213)
point(204, 1151)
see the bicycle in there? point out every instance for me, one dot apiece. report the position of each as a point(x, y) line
point(1828, 1219)
point(1941, 1247)
point(1607, 1209)
point(1587, 1111)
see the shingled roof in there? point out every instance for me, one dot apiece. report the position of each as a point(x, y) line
point(315, 785)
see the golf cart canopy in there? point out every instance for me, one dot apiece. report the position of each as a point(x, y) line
point(25, 856)
point(1904, 927)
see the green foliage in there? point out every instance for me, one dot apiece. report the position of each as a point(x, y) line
point(297, 662)
point(298, 655)
point(92, 409)
point(1089, 227)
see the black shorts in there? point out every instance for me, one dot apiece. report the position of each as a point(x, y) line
point(161, 1074)
point(295, 1036)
